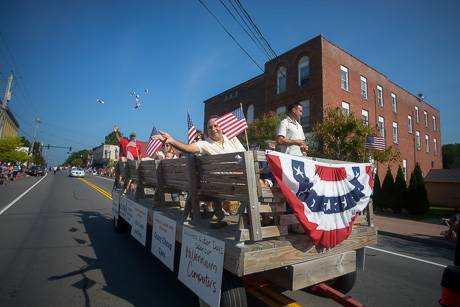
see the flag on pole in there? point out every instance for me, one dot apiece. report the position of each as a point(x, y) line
point(233, 123)
point(154, 145)
point(375, 142)
point(191, 130)
point(325, 198)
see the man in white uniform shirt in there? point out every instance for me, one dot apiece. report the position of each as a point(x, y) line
point(290, 134)
point(217, 143)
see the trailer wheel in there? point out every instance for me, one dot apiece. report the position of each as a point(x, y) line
point(345, 282)
point(232, 293)
point(119, 224)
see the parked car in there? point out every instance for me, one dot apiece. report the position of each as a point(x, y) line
point(36, 170)
point(77, 172)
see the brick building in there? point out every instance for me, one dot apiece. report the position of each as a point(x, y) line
point(320, 75)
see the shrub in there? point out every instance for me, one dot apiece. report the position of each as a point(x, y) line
point(417, 196)
point(387, 190)
point(400, 192)
point(377, 192)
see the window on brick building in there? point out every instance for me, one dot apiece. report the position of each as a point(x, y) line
point(344, 78)
point(409, 123)
point(345, 108)
point(393, 102)
point(379, 95)
point(381, 126)
point(425, 117)
point(435, 147)
point(395, 133)
point(281, 110)
point(365, 117)
point(434, 123)
point(305, 119)
point(250, 113)
point(304, 70)
point(363, 87)
point(418, 140)
point(427, 143)
point(404, 169)
point(417, 118)
point(281, 78)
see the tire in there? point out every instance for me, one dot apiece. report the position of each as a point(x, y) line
point(345, 282)
point(119, 225)
point(233, 292)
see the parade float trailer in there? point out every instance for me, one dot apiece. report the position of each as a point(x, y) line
point(218, 264)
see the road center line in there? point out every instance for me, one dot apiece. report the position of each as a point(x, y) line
point(405, 256)
point(20, 196)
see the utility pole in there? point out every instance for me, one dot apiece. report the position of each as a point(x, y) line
point(37, 124)
point(5, 100)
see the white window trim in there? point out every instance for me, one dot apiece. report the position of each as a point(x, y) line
point(435, 146)
point(394, 103)
point(306, 105)
point(305, 63)
point(380, 90)
point(381, 131)
point(417, 118)
point(395, 140)
point(250, 111)
point(418, 140)
point(365, 112)
point(425, 118)
point(278, 73)
point(405, 168)
point(410, 128)
point(427, 143)
point(363, 79)
point(434, 122)
point(346, 106)
point(344, 69)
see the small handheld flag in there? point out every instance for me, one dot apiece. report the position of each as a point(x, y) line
point(191, 130)
point(233, 123)
point(154, 145)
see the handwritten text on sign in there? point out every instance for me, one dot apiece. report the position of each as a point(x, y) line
point(138, 221)
point(129, 211)
point(201, 265)
point(164, 239)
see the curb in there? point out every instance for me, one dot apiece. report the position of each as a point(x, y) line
point(439, 243)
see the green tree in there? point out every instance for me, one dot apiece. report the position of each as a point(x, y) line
point(111, 139)
point(400, 191)
point(417, 195)
point(8, 150)
point(377, 192)
point(388, 190)
point(25, 142)
point(263, 128)
point(82, 155)
point(449, 153)
point(342, 137)
point(77, 162)
point(37, 157)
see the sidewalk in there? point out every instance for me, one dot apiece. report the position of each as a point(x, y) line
point(424, 232)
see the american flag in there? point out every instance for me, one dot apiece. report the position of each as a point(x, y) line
point(375, 142)
point(154, 145)
point(232, 123)
point(191, 130)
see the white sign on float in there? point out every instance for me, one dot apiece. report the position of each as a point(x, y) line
point(129, 211)
point(201, 265)
point(115, 204)
point(164, 239)
point(123, 200)
point(139, 222)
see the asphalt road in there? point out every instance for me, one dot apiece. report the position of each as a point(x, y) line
point(58, 248)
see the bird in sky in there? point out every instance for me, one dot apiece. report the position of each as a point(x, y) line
point(137, 105)
point(100, 101)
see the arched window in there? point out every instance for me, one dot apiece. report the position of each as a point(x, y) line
point(305, 119)
point(304, 70)
point(250, 113)
point(281, 77)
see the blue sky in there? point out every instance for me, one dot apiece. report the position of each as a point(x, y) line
point(69, 53)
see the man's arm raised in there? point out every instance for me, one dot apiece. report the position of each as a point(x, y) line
point(166, 138)
point(117, 133)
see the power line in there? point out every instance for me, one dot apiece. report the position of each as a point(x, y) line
point(251, 35)
point(229, 34)
point(18, 73)
point(240, 5)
